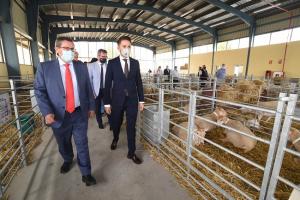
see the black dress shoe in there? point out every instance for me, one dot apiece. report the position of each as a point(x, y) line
point(135, 159)
point(66, 167)
point(89, 180)
point(101, 126)
point(114, 145)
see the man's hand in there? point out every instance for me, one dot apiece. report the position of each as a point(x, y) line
point(107, 110)
point(49, 119)
point(141, 106)
point(91, 114)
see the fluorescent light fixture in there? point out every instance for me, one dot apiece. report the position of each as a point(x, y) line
point(73, 28)
point(217, 24)
point(146, 33)
point(170, 38)
point(115, 18)
point(187, 13)
point(107, 28)
point(74, 38)
point(189, 33)
point(266, 8)
point(101, 38)
point(127, 2)
point(162, 25)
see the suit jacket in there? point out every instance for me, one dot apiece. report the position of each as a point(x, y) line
point(118, 85)
point(95, 76)
point(50, 93)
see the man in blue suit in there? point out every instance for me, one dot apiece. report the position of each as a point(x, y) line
point(65, 98)
point(124, 93)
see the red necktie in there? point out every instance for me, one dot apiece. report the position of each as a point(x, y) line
point(70, 100)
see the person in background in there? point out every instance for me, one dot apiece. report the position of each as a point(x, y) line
point(167, 73)
point(199, 72)
point(204, 76)
point(221, 73)
point(65, 98)
point(76, 55)
point(97, 71)
point(124, 93)
point(175, 75)
point(158, 71)
point(93, 60)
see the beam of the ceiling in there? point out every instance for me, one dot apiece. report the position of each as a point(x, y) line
point(244, 16)
point(206, 28)
point(57, 18)
point(112, 40)
point(62, 30)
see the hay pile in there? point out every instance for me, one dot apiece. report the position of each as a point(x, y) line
point(290, 170)
point(9, 138)
point(243, 91)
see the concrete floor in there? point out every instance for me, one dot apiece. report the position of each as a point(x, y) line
point(118, 178)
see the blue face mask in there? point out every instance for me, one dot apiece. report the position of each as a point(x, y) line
point(67, 56)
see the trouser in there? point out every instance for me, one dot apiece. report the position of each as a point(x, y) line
point(131, 110)
point(74, 125)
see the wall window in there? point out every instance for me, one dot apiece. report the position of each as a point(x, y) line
point(41, 54)
point(281, 36)
point(261, 40)
point(89, 50)
point(164, 59)
point(244, 42)
point(233, 44)
point(295, 34)
point(1, 51)
point(221, 46)
point(23, 48)
point(203, 49)
point(182, 53)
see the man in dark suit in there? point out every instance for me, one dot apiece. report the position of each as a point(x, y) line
point(65, 98)
point(124, 93)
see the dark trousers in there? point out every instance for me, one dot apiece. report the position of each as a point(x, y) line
point(131, 110)
point(98, 102)
point(75, 125)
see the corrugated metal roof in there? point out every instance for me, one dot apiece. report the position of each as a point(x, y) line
point(198, 11)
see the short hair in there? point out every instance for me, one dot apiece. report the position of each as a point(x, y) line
point(102, 51)
point(59, 40)
point(123, 38)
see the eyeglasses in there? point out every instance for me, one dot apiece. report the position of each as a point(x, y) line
point(67, 48)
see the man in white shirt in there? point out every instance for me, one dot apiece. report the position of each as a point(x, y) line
point(124, 93)
point(97, 71)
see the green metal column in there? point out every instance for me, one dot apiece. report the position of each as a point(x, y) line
point(215, 43)
point(190, 53)
point(45, 38)
point(32, 12)
point(9, 39)
point(173, 46)
point(53, 36)
point(251, 39)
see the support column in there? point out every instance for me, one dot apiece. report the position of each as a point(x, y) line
point(52, 37)
point(9, 39)
point(190, 53)
point(32, 13)
point(251, 40)
point(45, 38)
point(215, 42)
point(173, 54)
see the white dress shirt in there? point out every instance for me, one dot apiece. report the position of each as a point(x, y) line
point(62, 68)
point(123, 63)
point(123, 68)
point(104, 65)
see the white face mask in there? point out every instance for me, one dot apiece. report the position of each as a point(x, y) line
point(67, 56)
point(125, 52)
